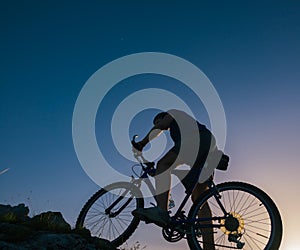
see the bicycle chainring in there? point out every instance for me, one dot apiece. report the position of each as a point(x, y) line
point(172, 235)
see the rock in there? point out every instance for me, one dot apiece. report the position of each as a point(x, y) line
point(59, 241)
point(45, 241)
point(13, 214)
point(102, 244)
point(83, 232)
point(44, 231)
point(14, 233)
point(49, 221)
point(4, 245)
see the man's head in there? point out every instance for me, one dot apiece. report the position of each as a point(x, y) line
point(159, 117)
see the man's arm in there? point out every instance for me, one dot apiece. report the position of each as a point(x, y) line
point(156, 130)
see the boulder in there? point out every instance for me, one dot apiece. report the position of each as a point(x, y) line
point(49, 221)
point(13, 214)
point(47, 230)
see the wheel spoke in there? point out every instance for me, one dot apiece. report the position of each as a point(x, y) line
point(118, 223)
point(250, 221)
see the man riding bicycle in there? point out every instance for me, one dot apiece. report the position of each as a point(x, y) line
point(192, 144)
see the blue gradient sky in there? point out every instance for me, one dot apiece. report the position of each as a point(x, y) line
point(250, 52)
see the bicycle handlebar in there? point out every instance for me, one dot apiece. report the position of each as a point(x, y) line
point(138, 155)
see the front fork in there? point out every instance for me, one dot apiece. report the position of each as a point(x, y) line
point(117, 212)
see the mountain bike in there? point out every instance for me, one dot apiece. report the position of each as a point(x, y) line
point(242, 215)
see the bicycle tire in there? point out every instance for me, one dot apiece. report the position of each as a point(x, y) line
point(94, 218)
point(249, 206)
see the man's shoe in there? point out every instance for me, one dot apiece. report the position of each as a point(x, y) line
point(154, 215)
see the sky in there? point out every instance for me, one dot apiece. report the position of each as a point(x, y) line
point(49, 49)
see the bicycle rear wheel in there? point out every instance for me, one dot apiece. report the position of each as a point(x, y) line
point(252, 222)
point(107, 214)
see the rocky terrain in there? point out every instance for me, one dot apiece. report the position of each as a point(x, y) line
point(46, 231)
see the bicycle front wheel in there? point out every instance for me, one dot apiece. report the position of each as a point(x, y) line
point(107, 214)
point(252, 220)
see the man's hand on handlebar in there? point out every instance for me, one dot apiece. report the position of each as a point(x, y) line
point(137, 147)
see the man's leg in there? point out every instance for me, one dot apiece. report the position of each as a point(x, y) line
point(205, 212)
point(160, 215)
point(163, 179)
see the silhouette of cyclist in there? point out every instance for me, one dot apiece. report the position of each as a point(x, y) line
point(192, 144)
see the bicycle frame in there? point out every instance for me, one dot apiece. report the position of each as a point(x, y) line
point(144, 177)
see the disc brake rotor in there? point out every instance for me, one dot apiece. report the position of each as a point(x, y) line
point(233, 224)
